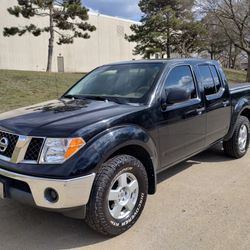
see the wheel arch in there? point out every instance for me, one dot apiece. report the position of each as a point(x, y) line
point(129, 139)
point(143, 156)
point(242, 108)
point(246, 112)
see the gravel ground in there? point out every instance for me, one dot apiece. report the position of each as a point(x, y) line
point(202, 203)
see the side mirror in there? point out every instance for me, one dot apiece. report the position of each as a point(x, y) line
point(174, 95)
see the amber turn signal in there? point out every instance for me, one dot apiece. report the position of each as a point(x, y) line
point(74, 145)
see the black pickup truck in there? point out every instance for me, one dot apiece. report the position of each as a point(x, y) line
point(95, 153)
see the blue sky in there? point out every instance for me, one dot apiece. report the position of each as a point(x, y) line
point(120, 8)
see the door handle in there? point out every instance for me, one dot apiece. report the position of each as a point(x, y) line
point(200, 111)
point(225, 103)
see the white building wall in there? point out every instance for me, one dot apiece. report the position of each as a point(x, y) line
point(106, 45)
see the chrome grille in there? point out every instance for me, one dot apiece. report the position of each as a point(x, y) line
point(20, 148)
point(12, 141)
point(34, 149)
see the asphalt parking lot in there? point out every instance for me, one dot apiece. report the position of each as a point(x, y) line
point(202, 203)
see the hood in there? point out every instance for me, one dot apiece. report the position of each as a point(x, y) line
point(60, 118)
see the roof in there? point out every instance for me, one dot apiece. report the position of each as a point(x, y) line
point(167, 61)
point(92, 13)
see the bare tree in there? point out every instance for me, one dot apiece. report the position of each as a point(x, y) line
point(215, 40)
point(233, 16)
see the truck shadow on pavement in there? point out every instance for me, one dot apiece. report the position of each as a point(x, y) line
point(24, 227)
point(214, 154)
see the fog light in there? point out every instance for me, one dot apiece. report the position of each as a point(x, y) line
point(51, 195)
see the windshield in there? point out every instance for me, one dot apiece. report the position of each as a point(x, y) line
point(129, 82)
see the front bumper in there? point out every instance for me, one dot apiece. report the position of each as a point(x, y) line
point(72, 193)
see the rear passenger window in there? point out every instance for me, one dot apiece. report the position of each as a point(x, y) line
point(181, 77)
point(210, 79)
point(216, 78)
point(207, 80)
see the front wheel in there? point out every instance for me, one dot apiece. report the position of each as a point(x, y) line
point(238, 145)
point(118, 196)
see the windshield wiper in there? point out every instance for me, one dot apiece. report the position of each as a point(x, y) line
point(98, 98)
point(106, 99)
point(74, 97)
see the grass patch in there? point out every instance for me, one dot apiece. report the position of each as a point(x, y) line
point(22, 88)
point(235, 76)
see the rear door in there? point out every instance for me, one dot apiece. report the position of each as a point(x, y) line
point(182, 126)
point(217, 103)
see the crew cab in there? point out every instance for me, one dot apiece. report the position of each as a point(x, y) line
point(95, 152)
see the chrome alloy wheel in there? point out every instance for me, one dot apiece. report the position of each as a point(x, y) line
point(243, 136)
point(123, 195)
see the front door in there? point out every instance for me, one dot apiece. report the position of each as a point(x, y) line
point(182, 126)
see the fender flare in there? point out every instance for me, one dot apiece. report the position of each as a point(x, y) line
point(105, 144)
point(240, 106)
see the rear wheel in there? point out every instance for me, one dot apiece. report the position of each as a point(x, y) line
point(118, 196)
point(238, 145)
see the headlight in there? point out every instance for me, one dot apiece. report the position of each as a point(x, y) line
point(58, 150)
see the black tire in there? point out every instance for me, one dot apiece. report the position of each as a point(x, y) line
point(98, 215)
point(232, 147)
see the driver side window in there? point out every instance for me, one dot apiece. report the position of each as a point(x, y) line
point(181, 77)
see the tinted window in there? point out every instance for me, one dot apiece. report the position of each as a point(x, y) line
point(207, 80)
point(216, 78)
point(129, 81)
point(181, 77)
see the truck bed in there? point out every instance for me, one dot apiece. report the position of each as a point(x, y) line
point(238, 87)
